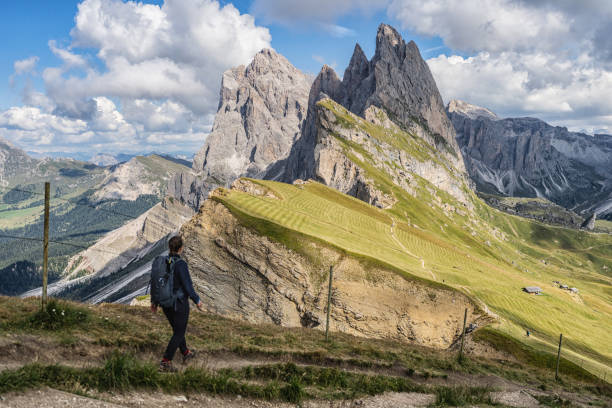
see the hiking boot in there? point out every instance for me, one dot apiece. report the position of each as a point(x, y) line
point(187, 357)
point(167, 367)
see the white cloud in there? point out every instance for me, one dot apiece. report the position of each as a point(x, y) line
point(25, 66)
point(543, 58)
point(155, 76)
point(339, 31)
point(69, 59)
point(515, 84)
point(177, 51)
point(490, 25)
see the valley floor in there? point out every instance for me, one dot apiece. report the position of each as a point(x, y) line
point(106, 355)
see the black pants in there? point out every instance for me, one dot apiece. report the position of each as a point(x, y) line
point(178, 318)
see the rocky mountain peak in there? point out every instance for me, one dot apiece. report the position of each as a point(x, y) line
point(398, 81)
point(469, 110)
point(268, 60)
point(261, 113)
point(359, 66)
point(387, 35)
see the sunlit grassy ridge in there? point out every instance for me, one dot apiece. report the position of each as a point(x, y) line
point(484, 253)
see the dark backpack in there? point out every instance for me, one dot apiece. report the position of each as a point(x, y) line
point(162, 282)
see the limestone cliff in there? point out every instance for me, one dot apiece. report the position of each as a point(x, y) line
point(347, 147)
point(244, 275)
point(394, 90)
point(261, 112)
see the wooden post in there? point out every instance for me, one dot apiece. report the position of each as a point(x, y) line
point(558, 357)
point(329, 290)
point(463, 335)
point(46, 246)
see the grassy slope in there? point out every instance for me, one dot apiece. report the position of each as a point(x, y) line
point(489, 255)
point(94, 341)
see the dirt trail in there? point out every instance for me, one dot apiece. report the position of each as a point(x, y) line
point(506, 392)
point(58, 399)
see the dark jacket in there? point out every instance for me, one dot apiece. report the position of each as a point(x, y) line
point(182, 279)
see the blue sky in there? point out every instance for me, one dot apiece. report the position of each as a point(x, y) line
point(88, 78)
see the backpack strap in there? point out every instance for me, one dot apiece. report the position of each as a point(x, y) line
point(177, 293)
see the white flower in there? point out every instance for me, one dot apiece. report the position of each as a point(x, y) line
point(62, 312)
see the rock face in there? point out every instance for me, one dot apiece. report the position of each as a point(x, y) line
point(527, 157)
point(346, 145)
point(261, 112)
point(589, 223)
point(399, 81)
point(397, 86)
point(241, 274)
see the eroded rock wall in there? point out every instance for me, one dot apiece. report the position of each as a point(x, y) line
point(243, 275)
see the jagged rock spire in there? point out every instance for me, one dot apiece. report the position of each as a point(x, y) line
point(397, 80)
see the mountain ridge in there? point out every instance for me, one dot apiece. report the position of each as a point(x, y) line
point(528, 157)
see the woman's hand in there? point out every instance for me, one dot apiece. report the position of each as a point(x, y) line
point(200, 306)
point(153, 308)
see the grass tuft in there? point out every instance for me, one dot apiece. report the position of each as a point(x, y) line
point(460, 396)
point(57, 315)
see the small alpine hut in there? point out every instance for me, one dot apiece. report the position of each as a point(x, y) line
point(533, 290)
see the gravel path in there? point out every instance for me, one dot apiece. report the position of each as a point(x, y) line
point(52, 398)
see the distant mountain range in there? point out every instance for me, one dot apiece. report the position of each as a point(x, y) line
point(109, 159)
point(527, 157)
point(87, 201)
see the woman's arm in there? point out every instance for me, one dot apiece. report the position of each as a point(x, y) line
point(182, 271)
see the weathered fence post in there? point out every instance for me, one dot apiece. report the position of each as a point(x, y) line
point(463, 335)
point(329, 290)
point(558, 357)
point(46, 246)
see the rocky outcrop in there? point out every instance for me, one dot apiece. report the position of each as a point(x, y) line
point(589, 223)
point(189, 188)
point(538, 209)
point(399, 81)
point(348, 146)
point(261, 112)
point(246, 276)
point(527, 157)
point(469, 110)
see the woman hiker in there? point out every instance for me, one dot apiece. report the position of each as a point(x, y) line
point(178, 315)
